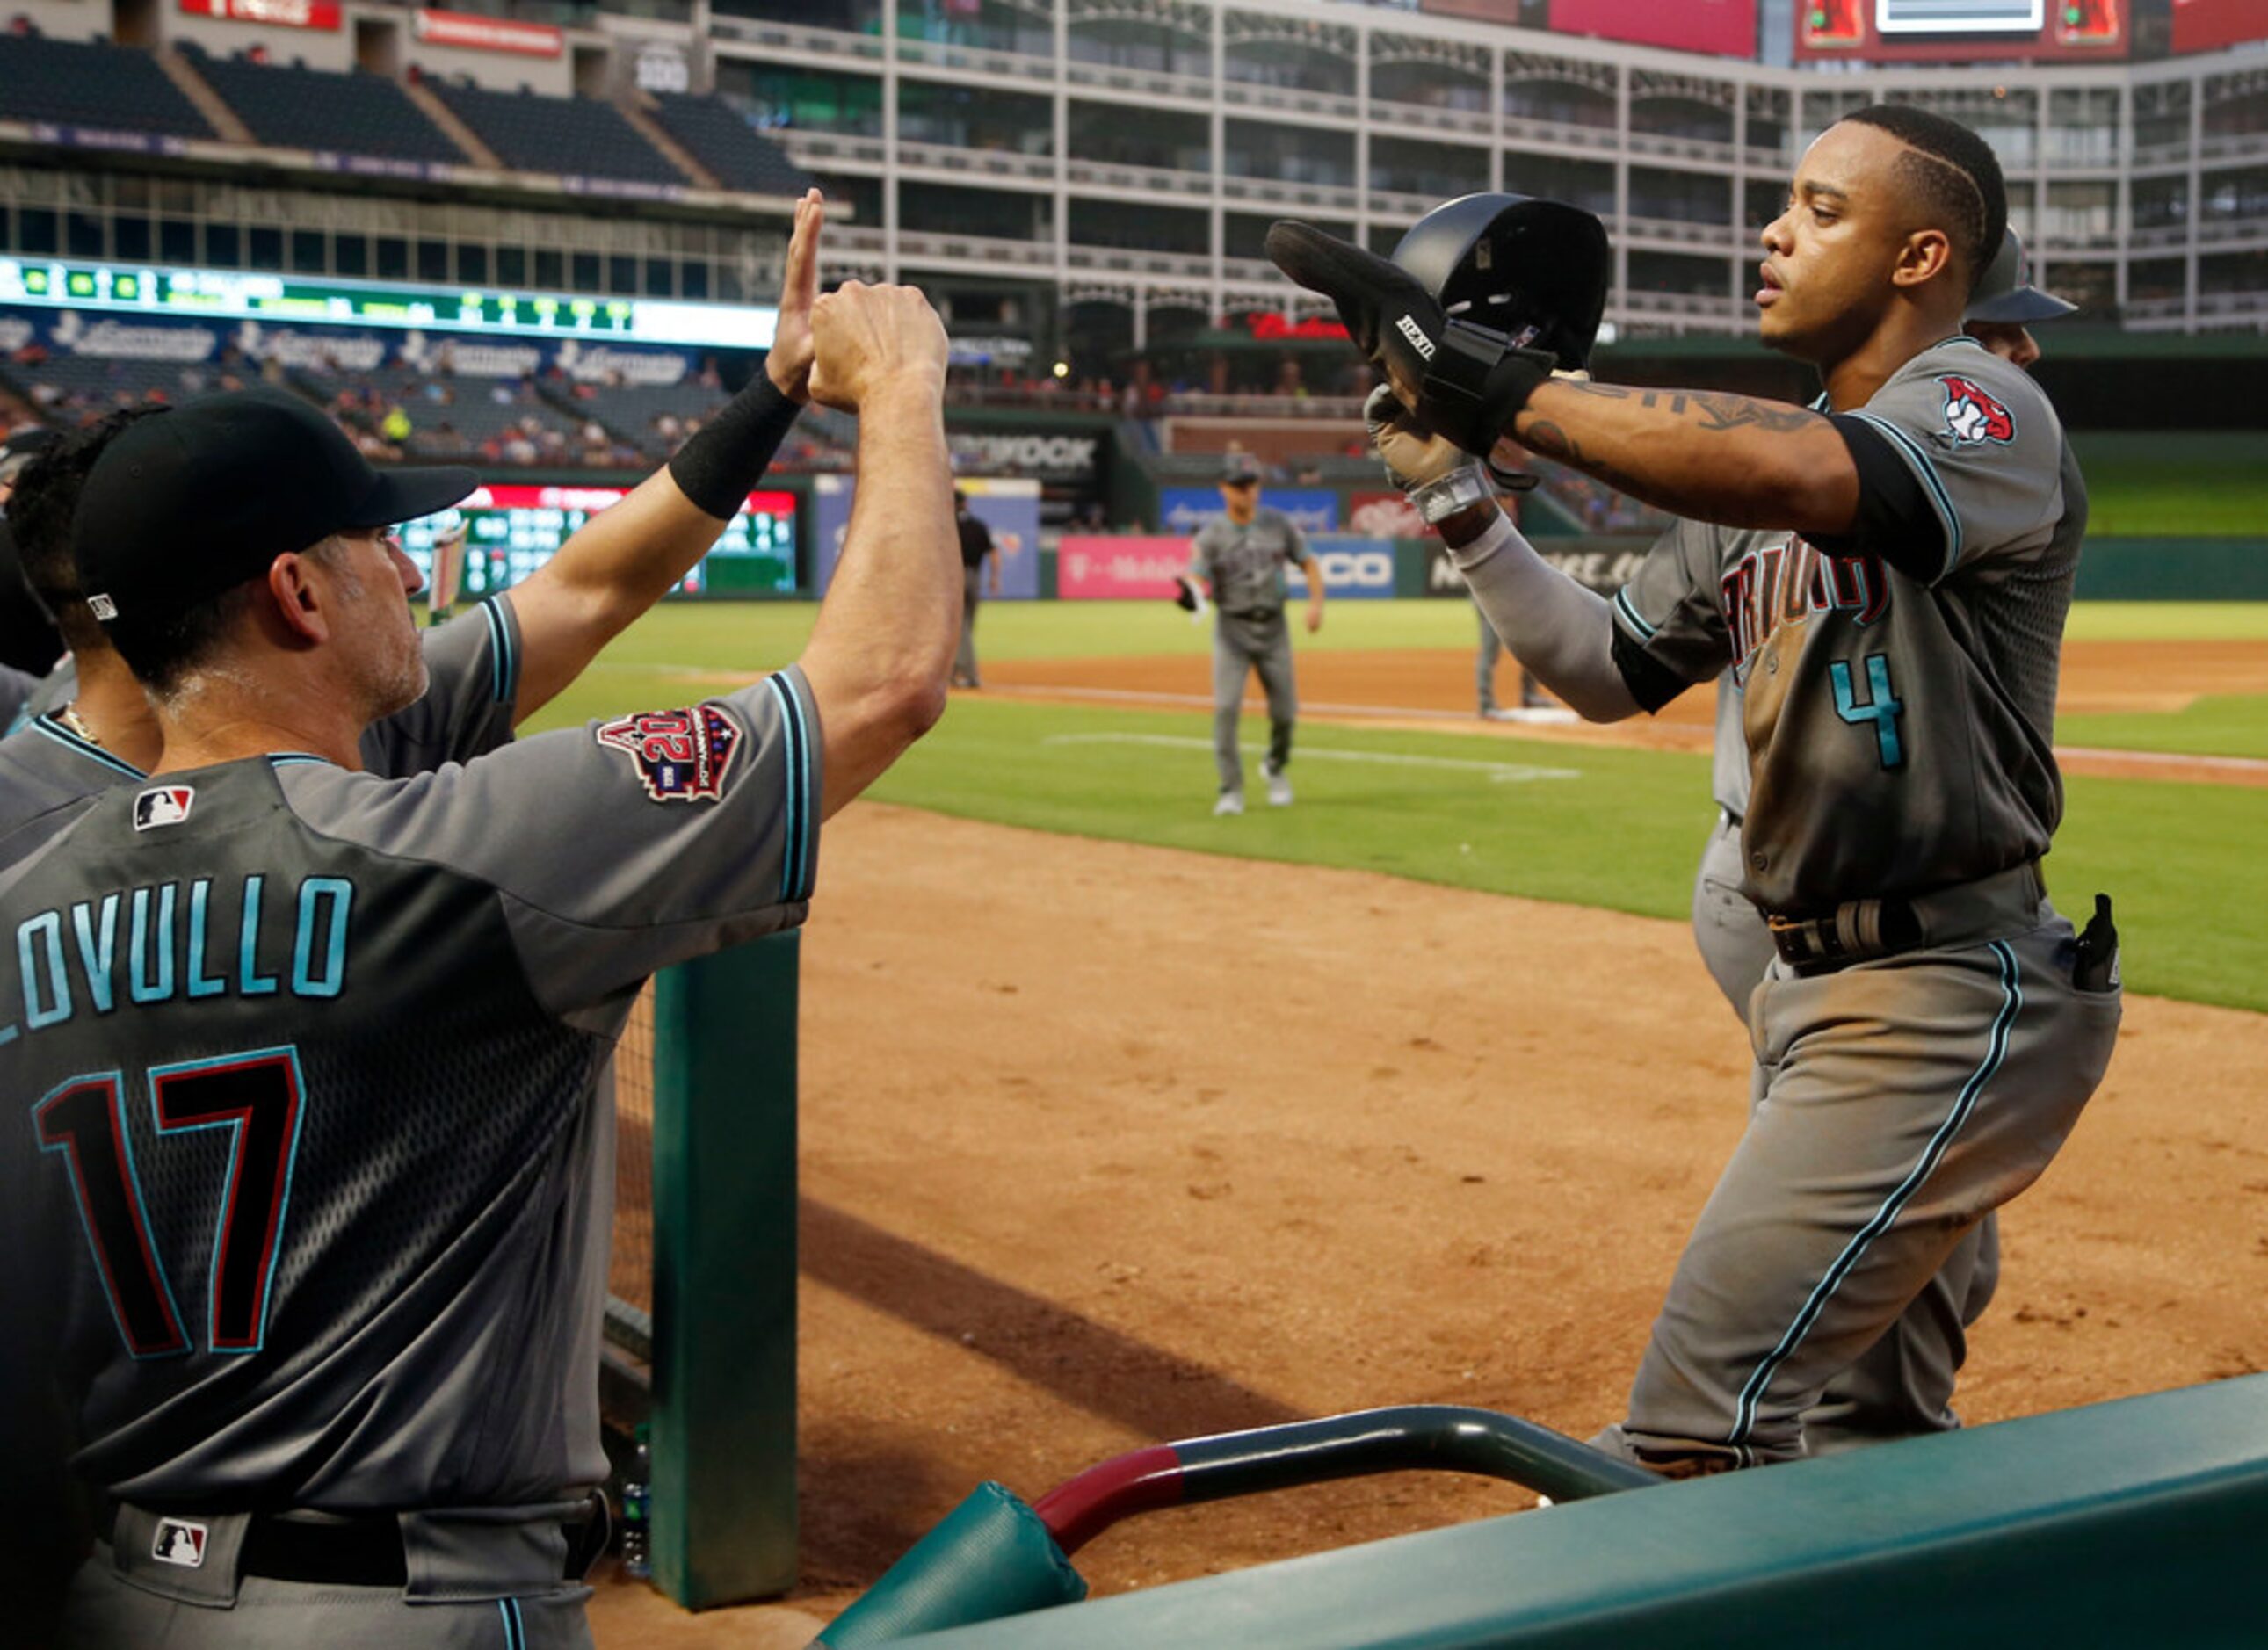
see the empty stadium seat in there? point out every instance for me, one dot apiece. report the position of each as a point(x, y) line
point(570, 137)
point(94, 84)
point(354, 114)
point(720, 137)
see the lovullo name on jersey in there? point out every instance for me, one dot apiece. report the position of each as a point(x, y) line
point(154, 944)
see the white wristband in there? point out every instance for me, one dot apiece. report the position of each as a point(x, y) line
point(1443, 497)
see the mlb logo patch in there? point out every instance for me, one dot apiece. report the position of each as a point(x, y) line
point(178, 1541)
point(165, 805)
point(679, 755)
point(1972, 417)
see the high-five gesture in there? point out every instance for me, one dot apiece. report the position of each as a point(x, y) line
point(789, 364)
point(869, 337)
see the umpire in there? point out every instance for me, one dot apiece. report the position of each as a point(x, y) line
point(314, 1193)
point(976, 550)
point(1241, 553)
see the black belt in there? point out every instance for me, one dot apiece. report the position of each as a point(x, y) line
point(1857, 932)
point(365, 1550)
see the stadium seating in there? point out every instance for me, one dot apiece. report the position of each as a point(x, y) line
point(94, 84)
point(570, 137)
point(356, 113)
point(720, 136)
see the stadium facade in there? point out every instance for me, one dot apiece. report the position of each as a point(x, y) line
point(1082, 177)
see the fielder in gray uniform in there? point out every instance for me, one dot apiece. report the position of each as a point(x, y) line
point(1892, 600)
point(492, 666)
point(1241, 553)
point(302, 1143)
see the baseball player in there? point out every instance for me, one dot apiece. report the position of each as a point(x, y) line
point(491, 667)
point(1734, 944)
point(976, 552)
point(1890, 582)
point(306, 1154)
point(1241, 555)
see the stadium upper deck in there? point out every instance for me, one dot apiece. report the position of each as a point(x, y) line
point(1086, 177)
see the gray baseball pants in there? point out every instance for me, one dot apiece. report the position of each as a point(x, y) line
point(1241, 644)
point(472, 1587)
point(1896, 1104)
point(1899, 1387)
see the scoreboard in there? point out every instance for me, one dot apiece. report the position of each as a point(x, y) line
point(510, 532)
point(283, 299)
point(1957, 31)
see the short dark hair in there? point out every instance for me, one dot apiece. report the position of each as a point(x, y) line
point(1954, 176)
point(40, 511)
point(162, 648)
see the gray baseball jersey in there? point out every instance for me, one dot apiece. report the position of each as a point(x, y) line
point(16, 690)
point(1245, 564)
point(307, 1143)
point(472, 667)
point(1898, 726)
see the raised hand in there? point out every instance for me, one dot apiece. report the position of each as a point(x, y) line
point(866, 339)
point(789, 364)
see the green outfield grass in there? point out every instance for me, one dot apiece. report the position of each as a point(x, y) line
point(2168, 483)
point(1466, 810)
point(2228, 724)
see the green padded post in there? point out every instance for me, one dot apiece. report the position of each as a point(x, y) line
point(990, 1556)
point(724, 1275)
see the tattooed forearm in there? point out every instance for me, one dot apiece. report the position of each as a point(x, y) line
point(1552, 442)
point(1706, 409)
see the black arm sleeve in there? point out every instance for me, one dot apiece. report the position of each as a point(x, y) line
point(1895, 520)
point(717, 468)
point(1651, 682)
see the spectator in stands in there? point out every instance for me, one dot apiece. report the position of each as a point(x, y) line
point(396, 426)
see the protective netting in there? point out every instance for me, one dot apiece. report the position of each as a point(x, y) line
point(630, 1280)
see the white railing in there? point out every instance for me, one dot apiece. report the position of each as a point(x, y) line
point(1473, 126)
point(1112, 174)
point(1149, 82)
point(1278, 192)
point(804, 147)
point(1247, 95)
point(792, 38)
point(1683, 233)
point(976, 163)
point(1126, 260)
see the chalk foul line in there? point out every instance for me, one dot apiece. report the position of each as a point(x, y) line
point(1497, 772)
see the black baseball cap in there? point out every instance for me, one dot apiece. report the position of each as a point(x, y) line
point(199, 499)
point(1238, 468)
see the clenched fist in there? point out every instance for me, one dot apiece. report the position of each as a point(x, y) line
point(867, 338)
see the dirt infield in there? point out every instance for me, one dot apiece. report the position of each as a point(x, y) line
point(1091, 1159)
point(1371, 686)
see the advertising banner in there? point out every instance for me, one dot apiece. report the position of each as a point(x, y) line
point(136, 336)
point(1010, 506)
point(1183, 510)
point(486, 34)
point(1096, 569)
point(1354, 569)
point(284, 14)
point(1724, 29)
point(1384, 516)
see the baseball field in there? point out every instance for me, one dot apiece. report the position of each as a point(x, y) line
point(1124, 1123)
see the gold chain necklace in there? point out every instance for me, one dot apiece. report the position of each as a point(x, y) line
point(69, 717)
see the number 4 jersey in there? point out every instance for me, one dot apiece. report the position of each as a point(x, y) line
point(303, 1195)
point(1899, 704)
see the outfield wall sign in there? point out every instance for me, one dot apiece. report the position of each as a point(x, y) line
point(242, 295)
point(283, 14)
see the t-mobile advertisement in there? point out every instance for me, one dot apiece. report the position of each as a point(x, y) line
point(1009, 505)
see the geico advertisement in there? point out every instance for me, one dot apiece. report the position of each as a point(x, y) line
point(1353, 569)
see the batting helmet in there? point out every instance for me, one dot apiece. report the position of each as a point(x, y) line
point(1537, 271)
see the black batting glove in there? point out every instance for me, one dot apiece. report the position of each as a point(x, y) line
point(1468, 382)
